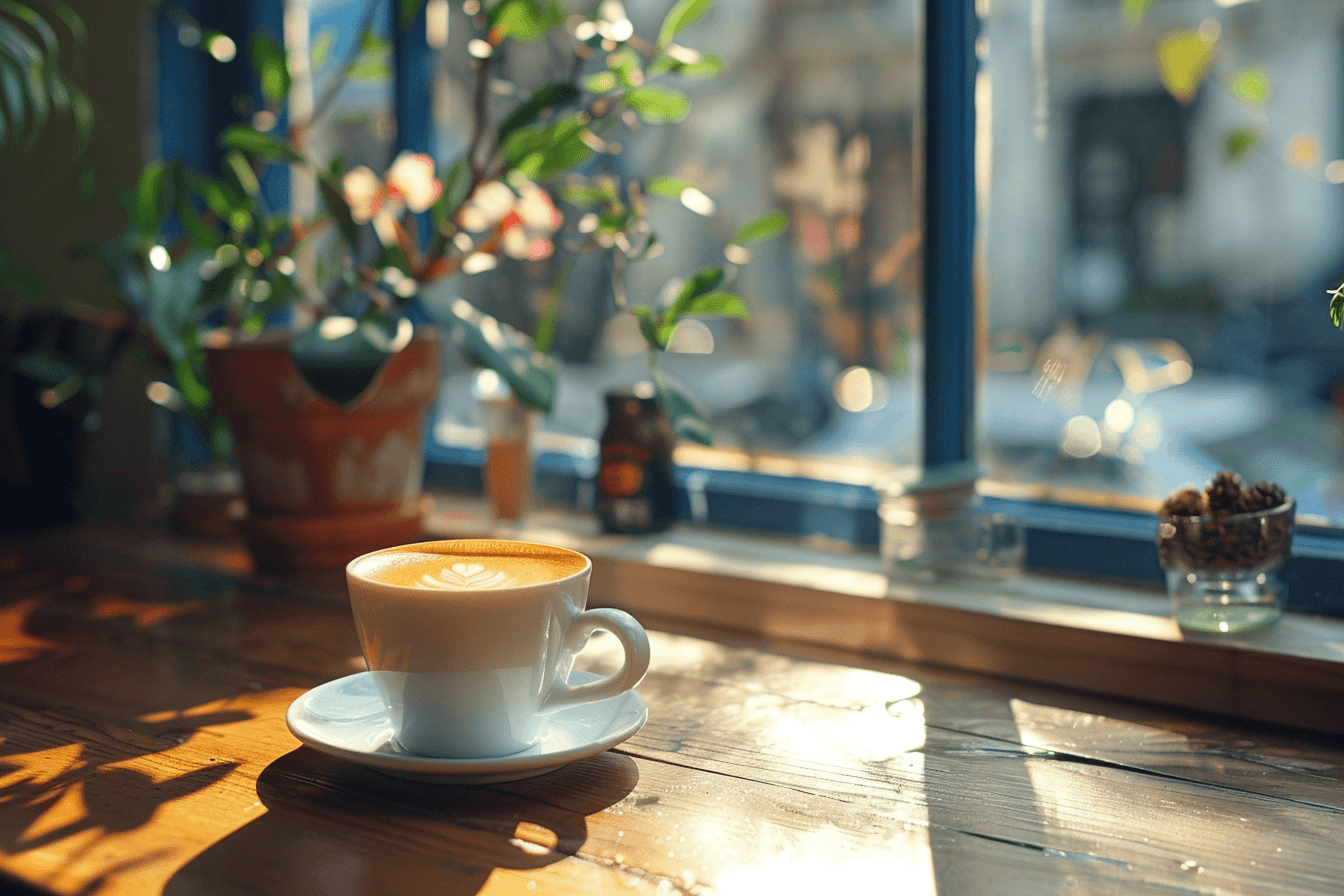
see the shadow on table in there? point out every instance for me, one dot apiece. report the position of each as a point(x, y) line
point(329, 827)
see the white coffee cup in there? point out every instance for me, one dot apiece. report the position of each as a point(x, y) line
point(471, 642)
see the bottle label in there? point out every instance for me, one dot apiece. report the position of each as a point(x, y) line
point(620, 478)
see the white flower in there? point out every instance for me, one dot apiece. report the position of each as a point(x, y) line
point(520, 213)
point(410, 184)
point(486, 207)
point(363, 193)
point(411, 180)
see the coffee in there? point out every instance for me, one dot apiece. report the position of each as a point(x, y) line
point(470, 565)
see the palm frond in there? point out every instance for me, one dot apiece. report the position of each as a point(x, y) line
point(34, 87)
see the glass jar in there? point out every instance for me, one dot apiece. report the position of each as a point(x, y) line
point(508, 470)
point(1223, 571)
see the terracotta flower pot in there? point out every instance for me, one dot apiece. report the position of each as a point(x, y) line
point(324, 483)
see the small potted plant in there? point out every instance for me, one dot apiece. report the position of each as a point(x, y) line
point(230, 282)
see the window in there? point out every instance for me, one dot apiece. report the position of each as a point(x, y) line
point(1162, 226)
point(1158, 187)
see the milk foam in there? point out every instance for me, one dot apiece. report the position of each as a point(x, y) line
point(470, 566)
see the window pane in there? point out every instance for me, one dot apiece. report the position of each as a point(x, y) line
point(1161, 223)
point(354, 114)
point(341, 99)
point(815, 115)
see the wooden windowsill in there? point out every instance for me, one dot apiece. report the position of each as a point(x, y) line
point(1104, 639)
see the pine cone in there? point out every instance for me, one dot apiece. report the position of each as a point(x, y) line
point(1184, 502)
point(1225, 494)
point(1265, 495)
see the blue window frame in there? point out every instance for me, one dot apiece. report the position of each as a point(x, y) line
point(1060, 538)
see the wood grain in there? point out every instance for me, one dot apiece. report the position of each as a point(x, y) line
point(143, 685)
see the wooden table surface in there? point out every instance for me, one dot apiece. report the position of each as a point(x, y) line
point(144, 681)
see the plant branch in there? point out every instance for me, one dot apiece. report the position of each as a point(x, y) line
point(479, 122)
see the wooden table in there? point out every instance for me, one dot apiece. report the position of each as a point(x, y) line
point(144, 681)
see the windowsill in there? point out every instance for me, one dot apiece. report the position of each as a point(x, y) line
point(1106, 639)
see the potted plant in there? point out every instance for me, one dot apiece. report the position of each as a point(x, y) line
point(230, 282)
point(54, 351)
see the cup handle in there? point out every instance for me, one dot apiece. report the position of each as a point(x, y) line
point(632, 637)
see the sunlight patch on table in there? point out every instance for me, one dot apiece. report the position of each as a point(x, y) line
point(828, 861)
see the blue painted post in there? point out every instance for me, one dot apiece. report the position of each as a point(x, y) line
point(949, 232)
point(412, 91)
point(197, 95)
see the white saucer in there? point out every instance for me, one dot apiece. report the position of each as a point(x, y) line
point(346, 718)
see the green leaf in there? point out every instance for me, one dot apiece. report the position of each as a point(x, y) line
point(321, 49)
point(543, 98)
point(260, 147)
point(406, 12)
point(671, 187)
point(723, 304)
point(339, 369)
point(339, 210)
point(568, 150)
point(491, 343)
point(46, 369)
point(195, 394)
point(268, 60)
point(48, 44)
point(624, 64)
point(648, 327)
point(218, 197)
point(762, 228)
point(1133, 10)
point(658, 104)
point(523, 143)
point(709, 66)
point(150, 199)
point(703, 282)
point(679, 17)
point(550, 315)
point(375, 60)
point(456, 185)
point(587, 195)
point(193, 227)
point(541, 153)
point(525, 20)
point(1239, 143)
point(1337, 305)
point(688, 421)
point(374, 44)
point(13, 109)
point(236, 164)
point(1251, 85)
point(81, 109)
point(171, 297)
point(600, 83)
point(717, 303)
point(700, 285)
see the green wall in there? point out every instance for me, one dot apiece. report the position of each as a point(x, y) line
point(44, 215)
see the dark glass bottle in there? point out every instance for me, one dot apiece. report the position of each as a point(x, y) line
point(635, 489)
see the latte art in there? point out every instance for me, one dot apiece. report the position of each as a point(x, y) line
point(476, 565)
point(461, 576)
